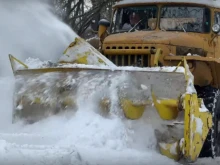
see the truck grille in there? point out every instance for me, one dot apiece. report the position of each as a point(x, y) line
point(135, 59)
point(130, 60)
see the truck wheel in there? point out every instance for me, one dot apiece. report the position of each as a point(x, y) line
point(211, 98)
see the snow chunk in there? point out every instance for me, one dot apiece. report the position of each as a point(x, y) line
point(144, 87)
point(181, 142)
point(37, 63)
point(19, 107)
point(181, 145)
point(163, 145)
point(158, 101)
point(173, 148)
point(199, 124)
point(189, 54)
point(92, 38)
point(203, 107)
point(190, 83)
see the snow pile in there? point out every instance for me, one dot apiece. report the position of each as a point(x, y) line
point(36, 63)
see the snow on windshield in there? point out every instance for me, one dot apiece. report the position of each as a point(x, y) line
point(185, 18)
point(173, 18)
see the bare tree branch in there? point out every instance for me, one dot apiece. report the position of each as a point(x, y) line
point(79, 13)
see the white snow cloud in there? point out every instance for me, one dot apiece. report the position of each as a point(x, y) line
point(29, 29)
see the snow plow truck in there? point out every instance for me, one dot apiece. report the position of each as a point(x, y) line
point(162, 54)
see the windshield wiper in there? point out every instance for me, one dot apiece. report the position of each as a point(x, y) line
point(183, 28)
point(135, 25)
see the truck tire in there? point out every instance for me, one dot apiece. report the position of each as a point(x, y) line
point(211, 99)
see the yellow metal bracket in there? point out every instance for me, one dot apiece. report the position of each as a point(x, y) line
point(197, 122)
point(13, 59)
point(196, 127)
point(172, 150)
point(167, 108)
point(178, 65)
point(157, 56)
point(132, 110)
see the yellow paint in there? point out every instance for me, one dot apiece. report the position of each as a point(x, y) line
point(167, 109)
point(13, 60)
point(69, 102)
point(82, 59)
point(194, 136)
point(177, 66)
point(208, 42)
point(157, 56)
point(102, 30)
point(131, 110)
point(71, 45)
point(37, 100)
point(196, 128)
point(171, 150)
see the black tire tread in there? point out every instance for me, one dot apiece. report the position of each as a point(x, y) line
point(211, 99)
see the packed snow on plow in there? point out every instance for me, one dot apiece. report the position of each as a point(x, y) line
point(84, 75)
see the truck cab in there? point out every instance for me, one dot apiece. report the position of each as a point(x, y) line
point(160, 33)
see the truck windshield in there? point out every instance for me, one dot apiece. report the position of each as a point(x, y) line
point(185, 18)
point(134, 18)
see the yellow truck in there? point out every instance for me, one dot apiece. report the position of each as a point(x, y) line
point(149, 33)
point(160, 54)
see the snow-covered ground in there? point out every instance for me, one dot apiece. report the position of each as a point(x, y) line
point(83, 137)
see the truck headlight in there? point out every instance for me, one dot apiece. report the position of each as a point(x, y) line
point(216, 28)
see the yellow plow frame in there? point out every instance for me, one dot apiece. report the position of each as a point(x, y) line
point(197, 122)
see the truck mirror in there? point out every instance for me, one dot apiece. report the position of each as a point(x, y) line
point(103, 25)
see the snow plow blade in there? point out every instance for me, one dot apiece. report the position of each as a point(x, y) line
point(55, 89)
point(131, 91)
